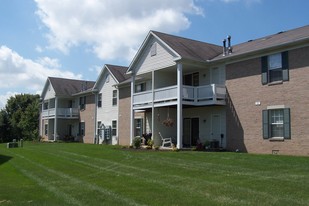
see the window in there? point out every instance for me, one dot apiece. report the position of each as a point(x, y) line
point(46, 129)
point(140, 87)
point(82, 102)
point(114, 97)
point(45, 105)
point(114, 128)
point(275, 68)
point(100, 100)
point(82, 128)
point(153, 50)
point(276, 123)
point(191, 79)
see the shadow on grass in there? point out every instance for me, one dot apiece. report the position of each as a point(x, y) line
point(4, 159)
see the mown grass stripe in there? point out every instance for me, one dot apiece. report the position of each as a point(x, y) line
point(56, 191)
point(73, 180)
point(113, 166)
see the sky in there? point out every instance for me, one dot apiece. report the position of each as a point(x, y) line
point(75, 38)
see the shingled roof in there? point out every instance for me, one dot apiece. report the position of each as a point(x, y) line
point(272, 41)
point(190, 49)
point(119, 72)
point(69, 87)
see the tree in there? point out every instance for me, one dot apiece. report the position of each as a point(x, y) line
point(22, 112)
point(4, 126)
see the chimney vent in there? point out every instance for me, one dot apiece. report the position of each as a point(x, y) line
point(229, 48)
point(224, 47)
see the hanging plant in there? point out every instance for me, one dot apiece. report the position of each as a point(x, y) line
point(168, 122)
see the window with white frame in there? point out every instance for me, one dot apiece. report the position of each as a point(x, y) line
point(276, 123)
point(140, 87)
point(275, 68)
point(45, 105)
point(114, 98)
point(82, 128)
point(114, 128)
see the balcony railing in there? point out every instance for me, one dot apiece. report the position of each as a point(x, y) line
point(61, 113)
point(212, 94)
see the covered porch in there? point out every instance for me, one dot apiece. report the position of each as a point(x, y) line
point(175, 92)
point(200, 126)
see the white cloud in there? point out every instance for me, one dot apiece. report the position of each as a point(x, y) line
point(5, 97)
point(26, 75)
point(111, 28)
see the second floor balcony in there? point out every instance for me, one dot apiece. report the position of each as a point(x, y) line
point(66, 113)
point(212, 94)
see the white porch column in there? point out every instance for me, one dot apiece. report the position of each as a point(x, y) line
point(42, 125)
point(179, 105)
point(152, 109)
point(55, 122)
point(132, 110)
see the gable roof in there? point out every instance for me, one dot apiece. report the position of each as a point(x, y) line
point(190, 49)
point(69, 87)
point(117, 72)
point(283, 38)
point(183, 48)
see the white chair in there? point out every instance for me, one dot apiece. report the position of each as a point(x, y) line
point(165, 141)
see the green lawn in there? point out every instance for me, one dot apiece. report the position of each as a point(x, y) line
point(81, 174)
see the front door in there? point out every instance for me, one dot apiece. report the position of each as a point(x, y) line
point(190, 131)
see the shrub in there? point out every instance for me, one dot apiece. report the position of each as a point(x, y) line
point(150, 143)
point(137, 142)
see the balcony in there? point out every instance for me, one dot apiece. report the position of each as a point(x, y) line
point(212, 94)
point(66, 113)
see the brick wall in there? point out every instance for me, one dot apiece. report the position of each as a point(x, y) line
point(88, 116)
point(244, 118)
point(124, 115)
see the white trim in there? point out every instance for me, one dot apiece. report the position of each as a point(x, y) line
point(276, 107)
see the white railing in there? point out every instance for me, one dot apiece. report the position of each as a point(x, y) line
point(206, 93)
point(165, 94)
point(142, 97)
point(61, 112)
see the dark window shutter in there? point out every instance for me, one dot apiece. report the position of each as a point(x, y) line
point(285, 66)
point(265, 124)
point(264, 62)
point(286, 124)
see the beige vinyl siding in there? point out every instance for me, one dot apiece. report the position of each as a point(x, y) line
point(162, 59)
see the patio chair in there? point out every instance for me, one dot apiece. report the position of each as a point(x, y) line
point(166, 140)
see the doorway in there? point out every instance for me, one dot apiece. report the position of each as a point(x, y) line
point(191, 130)
point(216, 127)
